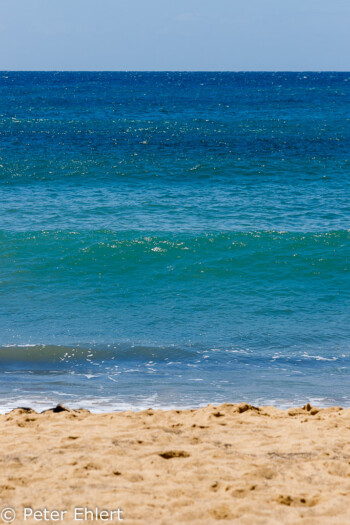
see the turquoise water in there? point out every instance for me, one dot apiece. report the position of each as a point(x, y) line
point(174, 239)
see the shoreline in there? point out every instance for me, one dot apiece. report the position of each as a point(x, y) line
point(120, 408)
point(231, 463)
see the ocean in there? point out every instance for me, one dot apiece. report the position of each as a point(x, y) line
point(174, 239)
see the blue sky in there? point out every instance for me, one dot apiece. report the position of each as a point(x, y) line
point(120, 35)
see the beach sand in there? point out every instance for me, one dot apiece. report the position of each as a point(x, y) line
point(224, 464)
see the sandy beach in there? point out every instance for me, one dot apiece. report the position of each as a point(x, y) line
point(230, 463)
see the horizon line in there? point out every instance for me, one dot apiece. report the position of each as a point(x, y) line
point(173, 71)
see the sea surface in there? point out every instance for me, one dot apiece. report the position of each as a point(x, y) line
point(174, 239)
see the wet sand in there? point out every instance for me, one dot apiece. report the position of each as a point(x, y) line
point(225, 464)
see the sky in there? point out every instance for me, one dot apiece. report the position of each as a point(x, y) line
point(175, 35)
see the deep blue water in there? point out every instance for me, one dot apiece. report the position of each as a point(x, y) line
point(174, 239)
